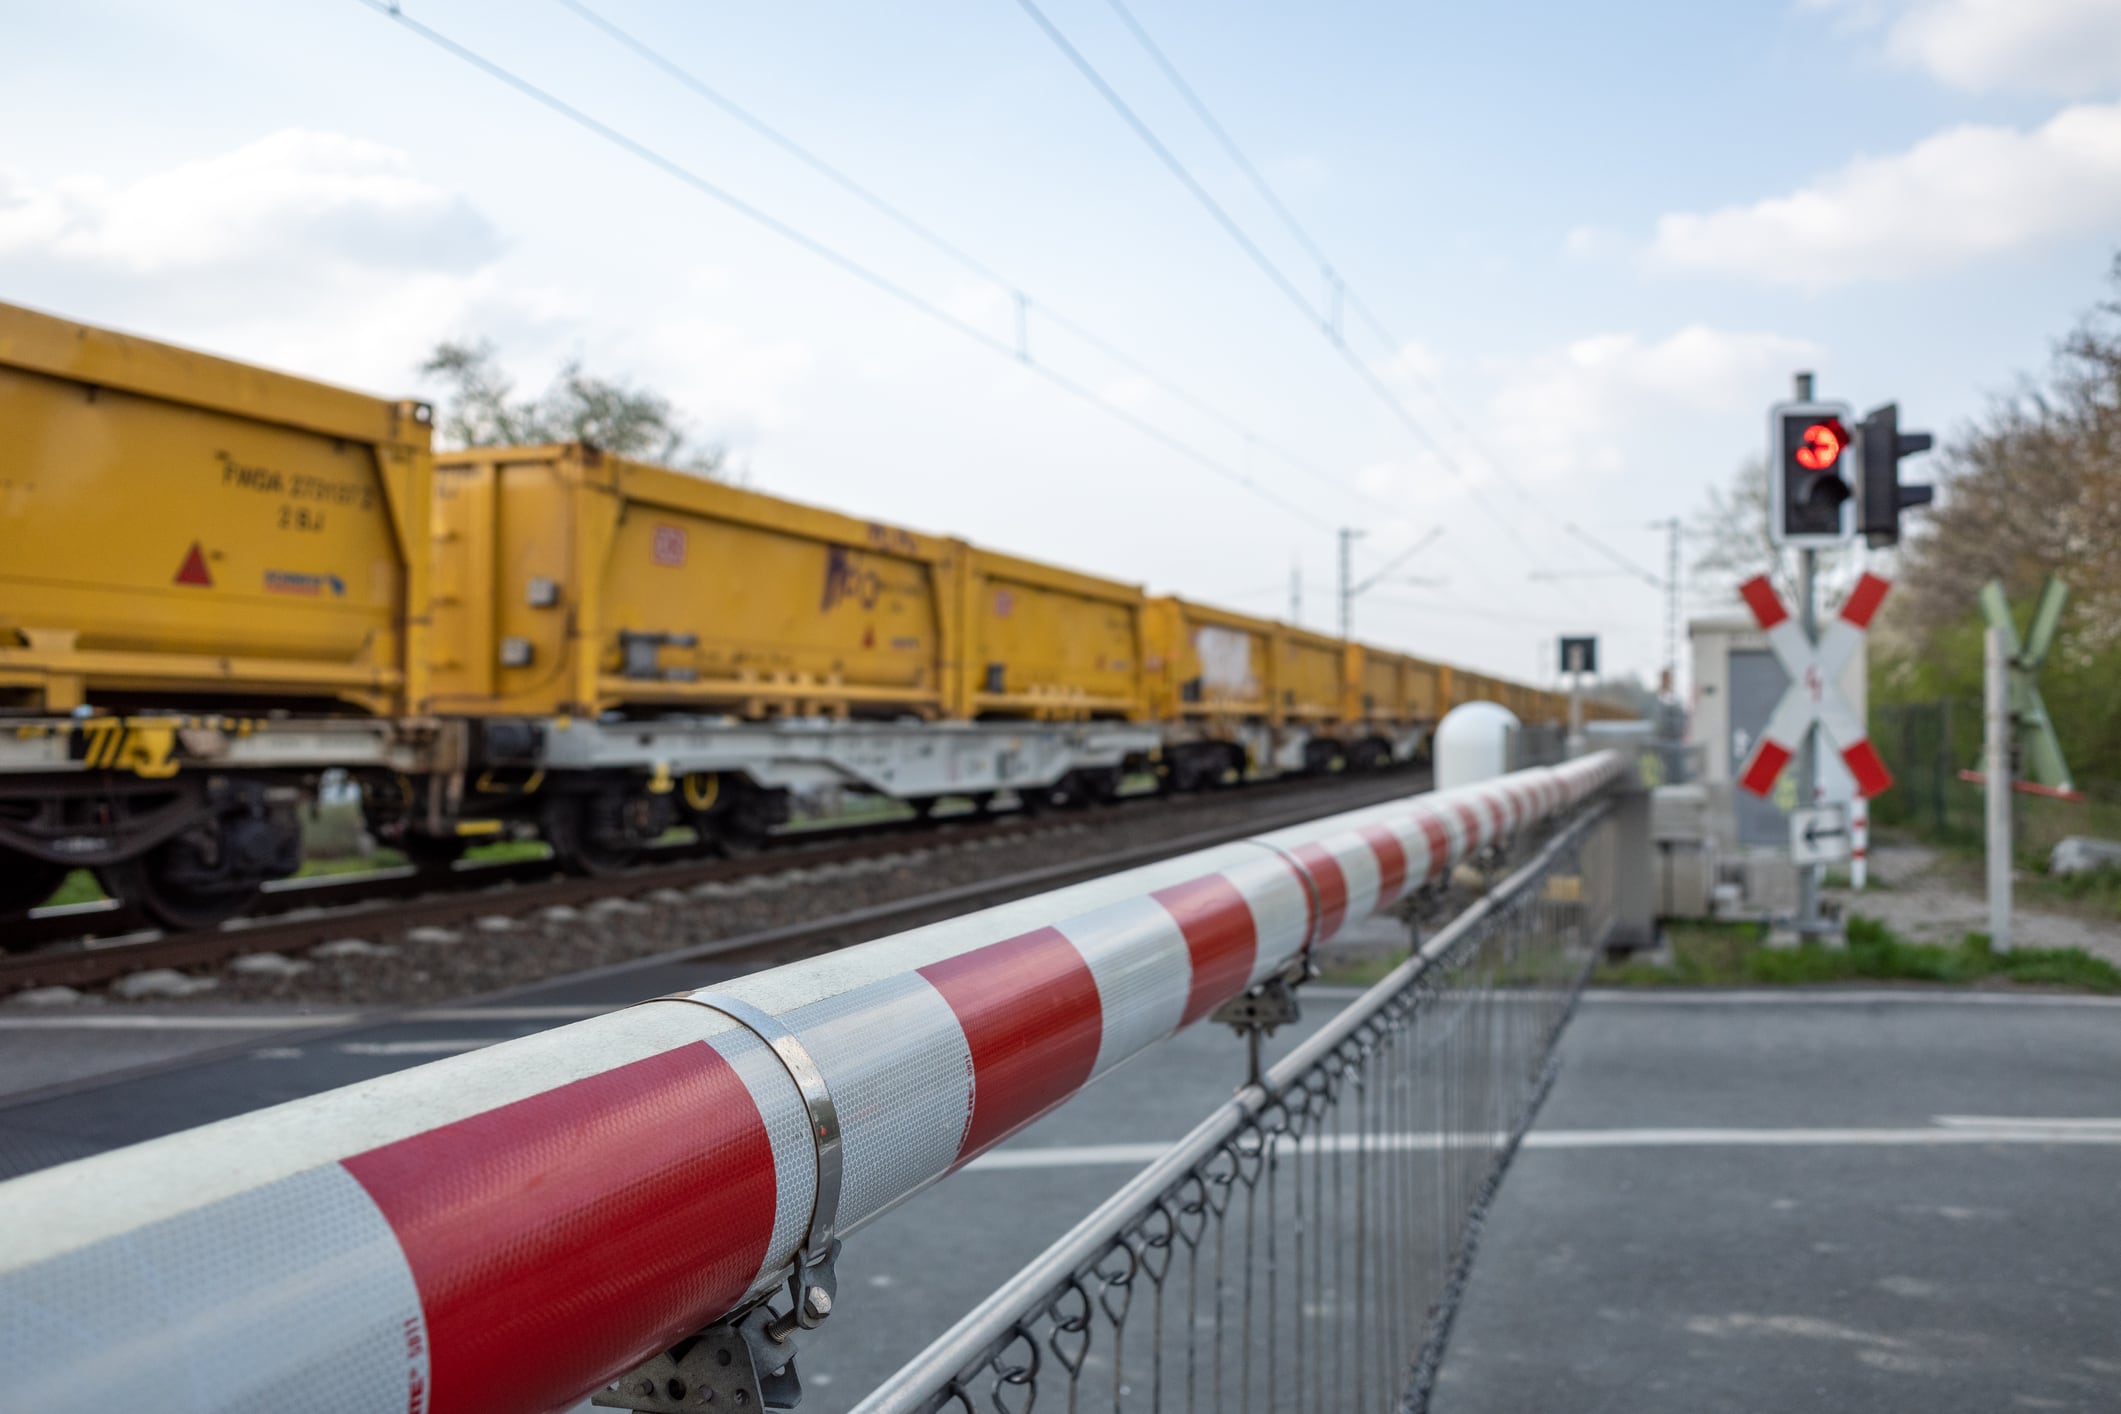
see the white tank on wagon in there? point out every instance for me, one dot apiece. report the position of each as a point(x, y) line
point(1474, 742)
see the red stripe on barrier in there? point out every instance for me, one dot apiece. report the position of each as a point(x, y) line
point(1031, 1016)
point(561, 1237)
point(1864, 600)
point(1391, 862)
point(1221, 939)
point(1331, 882)
point(1768, 760)
point(1500, 816)
point(1438, 836)
point(1871, 776)
point(1761, 598)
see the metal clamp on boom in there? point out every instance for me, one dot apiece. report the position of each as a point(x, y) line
point(746, 1360)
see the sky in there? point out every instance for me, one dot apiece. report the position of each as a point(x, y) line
point(1596, 240)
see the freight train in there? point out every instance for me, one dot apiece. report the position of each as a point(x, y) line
point(220, 584)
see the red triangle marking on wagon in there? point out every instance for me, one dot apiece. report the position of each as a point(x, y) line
point(193, 570)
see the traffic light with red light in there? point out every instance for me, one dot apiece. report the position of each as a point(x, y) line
point(1884, 498)
point(1812, 465)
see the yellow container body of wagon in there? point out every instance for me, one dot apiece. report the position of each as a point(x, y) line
point(1392, 689)
point(1049, 644)
point(570, 583)
point(1311, 677)
point(178, 529)
point(1211, 665)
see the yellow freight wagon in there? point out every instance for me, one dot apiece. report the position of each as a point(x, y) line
point(1049, 644)
point(213, 586)
point(1210, 665)
point(182, 529)
point(572, 583)
point(1391, 689)
point(1311, 677)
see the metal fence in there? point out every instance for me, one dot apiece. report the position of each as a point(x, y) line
point(1303, 1248)
point(1927, 744)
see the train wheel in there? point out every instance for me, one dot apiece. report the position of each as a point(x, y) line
point(212, 870)
point(588, 834)
point(169, 886)
point(27, 882)
point(602, 832)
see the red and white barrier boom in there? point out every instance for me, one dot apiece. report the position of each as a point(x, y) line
point(512, 1228)
point(1814, 693)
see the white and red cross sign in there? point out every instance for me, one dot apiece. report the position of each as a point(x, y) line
point(1814, 693)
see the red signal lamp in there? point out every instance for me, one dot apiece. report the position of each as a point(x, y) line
point(1822, 445)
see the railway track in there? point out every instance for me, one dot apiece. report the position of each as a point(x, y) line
point(107, 920)
point(1280, 803)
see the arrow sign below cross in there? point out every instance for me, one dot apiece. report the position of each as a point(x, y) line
point(1814, 695)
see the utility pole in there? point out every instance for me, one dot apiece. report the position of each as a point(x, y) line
point(1670, 528)
point(1996, 721)
point(1350, 591)
point(1348, 537)
point(1296, 590)
point(1809, 878)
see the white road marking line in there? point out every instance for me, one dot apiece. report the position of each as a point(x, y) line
point(135, 1022)
point(282, 1021)
point(1800, 996)
point(444, 1046)
point(2098, 1126)
point(2025, 1131)
point(511, 1013)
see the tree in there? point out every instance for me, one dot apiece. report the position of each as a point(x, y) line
point(1732, 533)
point(2032, 488)
point(2035, 488)
point(481, 410)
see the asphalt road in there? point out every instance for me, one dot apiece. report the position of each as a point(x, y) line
point(1809, 1203)
point(1729, 1203)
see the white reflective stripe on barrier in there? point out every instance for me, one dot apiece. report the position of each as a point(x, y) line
point(509, 1228)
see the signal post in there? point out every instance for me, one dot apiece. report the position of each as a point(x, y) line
point(1815, 449)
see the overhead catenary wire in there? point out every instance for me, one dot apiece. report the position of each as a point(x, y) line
point(847, 264)
point(1334, 278)
point(920, 230)
point(1267, 266)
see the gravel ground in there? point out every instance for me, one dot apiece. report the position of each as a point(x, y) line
point(1926, 900)
point(376, 965)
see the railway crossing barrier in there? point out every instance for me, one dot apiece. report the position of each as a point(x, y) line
point(1303, 1247)
point(646, 1205)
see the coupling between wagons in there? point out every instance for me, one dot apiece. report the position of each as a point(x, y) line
point(746, 1360)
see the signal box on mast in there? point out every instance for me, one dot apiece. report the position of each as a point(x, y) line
point(1811, 470)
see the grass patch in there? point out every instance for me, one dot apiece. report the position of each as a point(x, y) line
point(2099, 889)
point(1732, 955)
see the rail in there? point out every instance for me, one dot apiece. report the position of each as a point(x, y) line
point(1302, 1248)
point(646, 1192)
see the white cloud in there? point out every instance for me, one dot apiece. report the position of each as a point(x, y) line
point(732, 386)
point(1590, 409)
point(334, 257)
point(2068, 48)
point(1968, 192)
point(294, 198)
